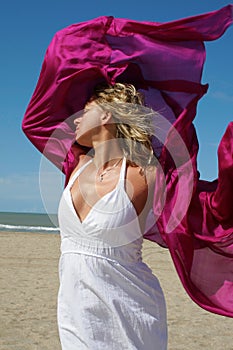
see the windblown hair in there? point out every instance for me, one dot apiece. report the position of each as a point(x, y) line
point(134, 121)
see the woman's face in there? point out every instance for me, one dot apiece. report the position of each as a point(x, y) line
point(88, 124)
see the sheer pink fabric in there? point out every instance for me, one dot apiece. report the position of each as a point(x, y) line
point(164, 61)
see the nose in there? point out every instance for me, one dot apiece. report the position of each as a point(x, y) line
point(76, 121)
point(78, 118)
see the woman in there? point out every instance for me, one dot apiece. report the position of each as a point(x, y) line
point(194, 217)
point(108, 297)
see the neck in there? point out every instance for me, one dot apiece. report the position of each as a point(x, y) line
point(106, 152)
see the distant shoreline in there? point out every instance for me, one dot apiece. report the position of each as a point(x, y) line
point(29, 229)
point(28, 222)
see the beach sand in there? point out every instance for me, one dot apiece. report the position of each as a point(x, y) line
point(28, 293)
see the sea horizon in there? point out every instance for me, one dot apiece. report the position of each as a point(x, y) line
point(28, 222)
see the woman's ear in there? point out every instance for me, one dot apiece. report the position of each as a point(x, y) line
point(107, 117)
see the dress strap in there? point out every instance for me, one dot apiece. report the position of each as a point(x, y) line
point(122, 173)
point(78, 172)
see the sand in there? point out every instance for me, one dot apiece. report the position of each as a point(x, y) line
point(28, 293)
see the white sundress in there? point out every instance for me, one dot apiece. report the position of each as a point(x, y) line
point(108, 298)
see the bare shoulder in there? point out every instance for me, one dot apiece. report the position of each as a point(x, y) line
point(139, 183)
point(141, 177)
point(83, 159)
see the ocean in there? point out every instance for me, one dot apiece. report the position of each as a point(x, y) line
point(28, 222)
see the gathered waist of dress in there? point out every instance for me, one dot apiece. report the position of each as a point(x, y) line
point(127, 254)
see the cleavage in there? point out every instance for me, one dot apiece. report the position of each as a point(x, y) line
point(86, 192)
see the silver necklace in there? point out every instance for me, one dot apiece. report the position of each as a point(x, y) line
point(101, 176)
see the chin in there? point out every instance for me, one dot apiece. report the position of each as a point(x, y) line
point(83, 141)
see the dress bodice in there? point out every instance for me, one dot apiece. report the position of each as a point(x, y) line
point(112, 221)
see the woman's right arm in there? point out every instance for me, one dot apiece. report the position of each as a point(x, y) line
point(48, 123)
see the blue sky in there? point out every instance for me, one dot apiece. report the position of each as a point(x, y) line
point(26, 30)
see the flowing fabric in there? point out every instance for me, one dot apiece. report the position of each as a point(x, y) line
point(165, 62)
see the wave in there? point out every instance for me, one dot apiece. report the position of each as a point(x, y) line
point(17, 228)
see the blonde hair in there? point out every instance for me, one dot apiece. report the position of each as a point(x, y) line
point(134, 121)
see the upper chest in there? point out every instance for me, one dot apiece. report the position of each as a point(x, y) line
point(87, 188)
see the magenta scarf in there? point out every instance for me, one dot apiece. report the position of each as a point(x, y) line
point(164, 61)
